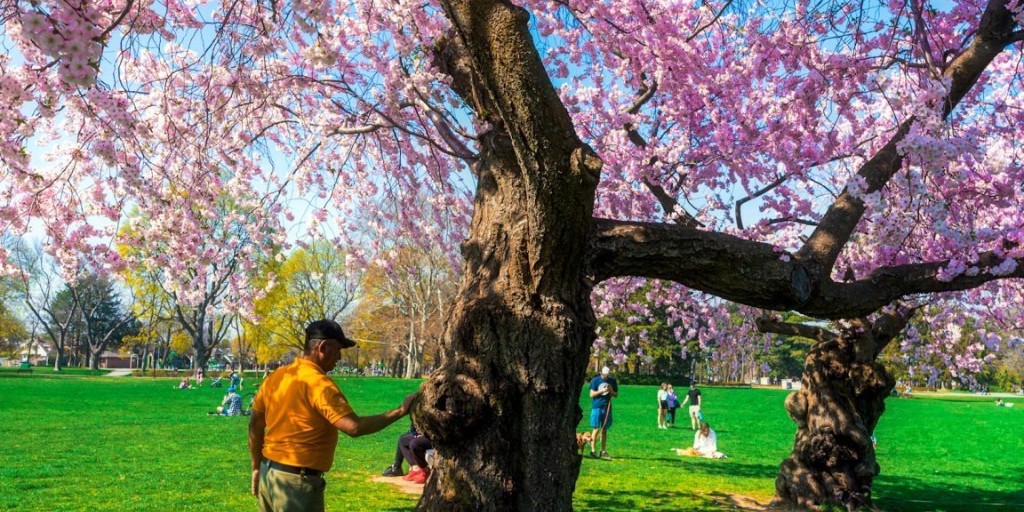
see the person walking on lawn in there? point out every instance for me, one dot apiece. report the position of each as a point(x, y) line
point(603, 388)
point(296, 416)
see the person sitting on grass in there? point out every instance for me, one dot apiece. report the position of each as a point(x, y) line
point(705, 444)
point(395, 469)
point(231, 405)
point(185, 384)
point(414, 450)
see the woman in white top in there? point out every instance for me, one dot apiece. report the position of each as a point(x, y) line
point(705, 444)
point(662, 405)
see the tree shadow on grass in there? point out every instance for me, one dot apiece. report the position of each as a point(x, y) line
point(613, 500)
point(729, 467)
point(954, 495)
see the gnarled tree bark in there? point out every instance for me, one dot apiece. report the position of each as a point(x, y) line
point(842, 397)
point(504, 405)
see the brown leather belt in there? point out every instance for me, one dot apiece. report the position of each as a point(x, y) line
point(294, 469)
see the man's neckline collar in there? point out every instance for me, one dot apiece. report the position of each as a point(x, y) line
point(304, 361)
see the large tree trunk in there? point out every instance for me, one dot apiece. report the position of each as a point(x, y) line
point(836, 410)
point(503, 406)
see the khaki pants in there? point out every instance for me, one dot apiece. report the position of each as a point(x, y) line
point(281, 491)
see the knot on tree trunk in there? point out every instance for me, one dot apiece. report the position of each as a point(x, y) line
point(825, 448)
point(587, 164)
point(871, 379)
point(453, 407)
point(796, 406)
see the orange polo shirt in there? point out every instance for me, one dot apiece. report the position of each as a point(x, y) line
point(301, 404)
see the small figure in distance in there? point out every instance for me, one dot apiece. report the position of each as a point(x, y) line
point(673, 404)
point(185, 384)
point(705, 444)
point(663, 406)
point(231, 405)
point(693, 396)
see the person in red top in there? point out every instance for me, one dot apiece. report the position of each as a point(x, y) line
point(296, 416)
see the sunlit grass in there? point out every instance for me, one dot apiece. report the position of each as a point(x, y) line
point(90, 443)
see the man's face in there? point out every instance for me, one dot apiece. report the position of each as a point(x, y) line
point(330, 354)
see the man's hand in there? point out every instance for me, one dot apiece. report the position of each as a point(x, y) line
point(255, 482)
point(409, 401)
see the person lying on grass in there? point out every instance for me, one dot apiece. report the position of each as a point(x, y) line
point(705, 444)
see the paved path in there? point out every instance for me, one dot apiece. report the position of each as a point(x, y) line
point(120, 372)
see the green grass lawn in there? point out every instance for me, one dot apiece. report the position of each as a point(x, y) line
point(88, 443)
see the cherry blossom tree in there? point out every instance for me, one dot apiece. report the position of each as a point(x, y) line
point(550, 147)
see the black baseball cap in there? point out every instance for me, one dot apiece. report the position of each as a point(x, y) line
point(328, 330)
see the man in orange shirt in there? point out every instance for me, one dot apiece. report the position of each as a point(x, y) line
point(296, 416)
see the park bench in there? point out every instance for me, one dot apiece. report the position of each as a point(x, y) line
point(25, 366)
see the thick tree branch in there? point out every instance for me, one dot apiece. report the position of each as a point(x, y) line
point(758, 275)
point(733, 268)
point(499, 51)
point(776, 326)
point(824, 245)
point(890, 324)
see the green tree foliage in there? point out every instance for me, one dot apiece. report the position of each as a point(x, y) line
point(784, 356)
point(12, 331)
point(1008, 369)
point(101, 320)
point(311, 284)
